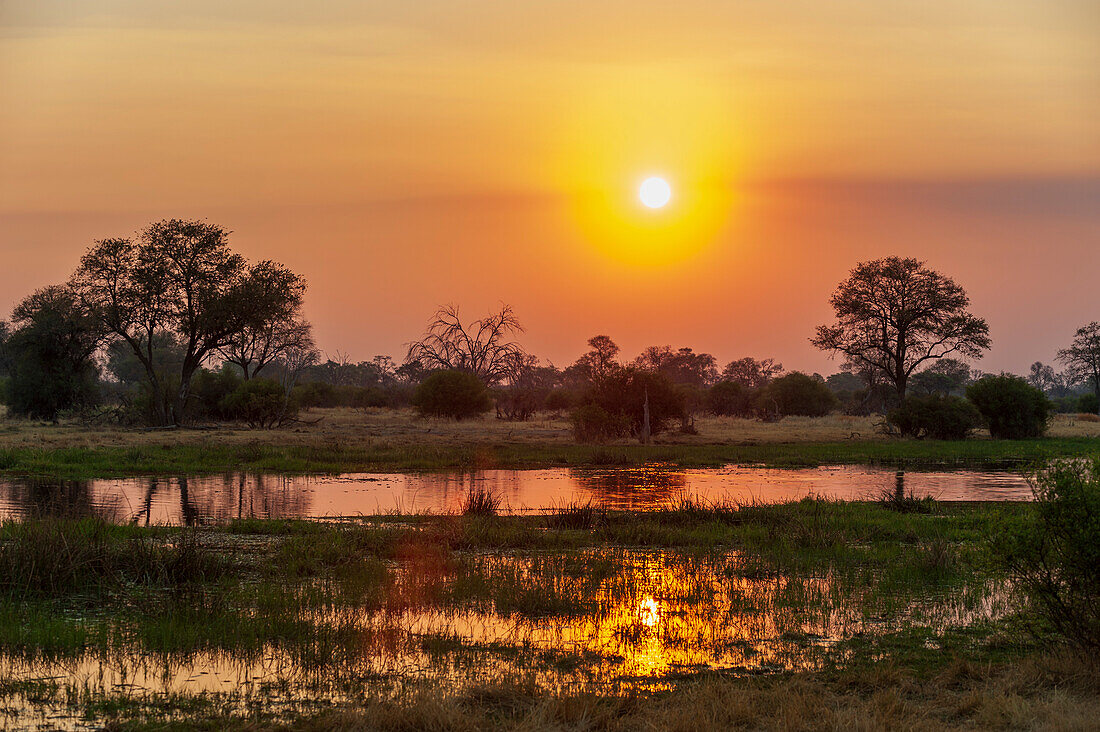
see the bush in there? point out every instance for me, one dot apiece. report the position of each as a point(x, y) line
point(935, 417)
point(796, 393)
point(209, 389)
point(261, 403)
point(623, 393)
point(368, 397)
point(454, 394)
point(1012, 408)
point(1089, 404)
point(729, 399)
point(593, 423)
point(559, 400)
point(1053, 552)
point(316, 394)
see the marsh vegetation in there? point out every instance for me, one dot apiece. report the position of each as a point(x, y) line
point(480, 619)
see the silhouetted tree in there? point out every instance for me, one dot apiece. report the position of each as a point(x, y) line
point(682, 366)
point(752, 373)
point(944, 377)
point(179, 278)
point(1082, 358)
point(49, 354)
point(894, 314)
point(277, 293)
point(599, 361)
point(796, 394)
point(482, 348)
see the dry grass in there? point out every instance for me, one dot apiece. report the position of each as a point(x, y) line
point(399, 428)
point(1054, 693)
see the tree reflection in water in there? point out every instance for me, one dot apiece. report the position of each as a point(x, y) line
point(632, 488)
point(158, 500)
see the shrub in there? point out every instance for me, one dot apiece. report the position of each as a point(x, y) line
point(261, 403)
point(1052, 553)
point(454, 394)
point(593, 423)
point(796, 393)
point(368, 397)
point(1089, 404)
point(315, 394)
point(209, 389)
point(623, 394)
point(559, 400)
point(729, 399)
point(1012, 408)
point(935, 417)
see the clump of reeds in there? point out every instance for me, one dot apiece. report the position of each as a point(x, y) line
point(905, 502)
point(578, 516)
point(480, 501)
point(1088, 417)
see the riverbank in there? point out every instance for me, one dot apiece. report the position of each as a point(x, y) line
point(343, 441)
point(812, 614)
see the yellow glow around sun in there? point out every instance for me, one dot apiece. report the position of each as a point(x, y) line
point(649, 158)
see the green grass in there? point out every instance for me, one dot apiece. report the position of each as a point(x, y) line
point(71, 462)
point(321, 607)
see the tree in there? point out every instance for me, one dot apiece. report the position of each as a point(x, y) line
point(524, 387)
point(682, 366)
point(797, 394)
point(276, 292)
point(178, 278)
point(729, 399)
point(635, 399)
point(50, 354)
point(895, 314)
point(1082, 358)
point(598, 362)
point(752, 373)
point(944, 377)
point(481, 348)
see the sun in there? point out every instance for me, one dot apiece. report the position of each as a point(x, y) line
point(655, 192)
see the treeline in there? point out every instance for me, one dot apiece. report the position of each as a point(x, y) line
point(173, 326)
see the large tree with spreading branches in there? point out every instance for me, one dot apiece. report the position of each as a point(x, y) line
point(894, 314)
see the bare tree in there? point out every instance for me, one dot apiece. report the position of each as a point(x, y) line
point(894, 314)
point(293, 362)
point(482, 347)
point(1082, 358)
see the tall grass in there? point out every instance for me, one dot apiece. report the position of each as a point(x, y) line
point(54, 557)
point(480, 501)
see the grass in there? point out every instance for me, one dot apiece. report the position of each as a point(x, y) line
point(828, 612)
point(393, 440)
point(1046, 692)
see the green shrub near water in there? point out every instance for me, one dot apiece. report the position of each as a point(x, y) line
point(261, 403)
point(1053, 553)
point(796, 394)
point(1012, 408)
point(935, 417)
point(454, 394)
point(729, 399)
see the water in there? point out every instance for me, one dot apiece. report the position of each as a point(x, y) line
point(214, 499)
point(631, 618)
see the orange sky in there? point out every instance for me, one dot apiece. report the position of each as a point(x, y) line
point(404, 154)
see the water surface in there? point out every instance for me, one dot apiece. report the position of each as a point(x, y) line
point(211, 499)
